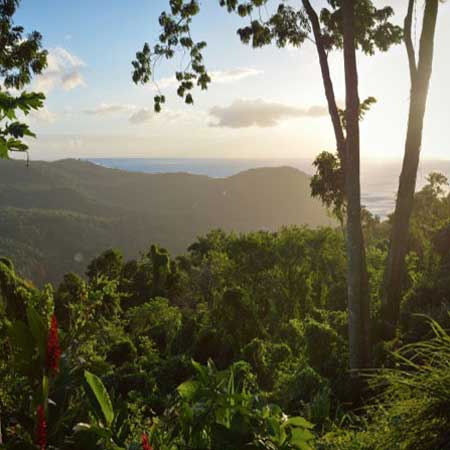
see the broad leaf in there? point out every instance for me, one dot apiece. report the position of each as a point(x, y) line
point(38, 329)
point(301, 438)
point(101, 396)
point(298, 422)
point(188, 389)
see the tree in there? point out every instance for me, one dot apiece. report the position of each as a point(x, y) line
point(21, 57)
point(420, 74)
point(328, 184)
point(108, 265)
point(368, 29)
point(357, 278)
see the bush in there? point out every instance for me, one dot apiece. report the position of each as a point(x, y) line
point(412, 408)
point(326, 350)
point(415, 403)
point(296, 387)
point(121, 352)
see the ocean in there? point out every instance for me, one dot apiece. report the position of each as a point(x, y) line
point(379, 180)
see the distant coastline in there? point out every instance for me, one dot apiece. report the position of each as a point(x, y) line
point(379, 179)
point(212, 167)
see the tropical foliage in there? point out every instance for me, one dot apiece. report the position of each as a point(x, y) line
point(21, 57)
point(239, 343)
point(244, 341)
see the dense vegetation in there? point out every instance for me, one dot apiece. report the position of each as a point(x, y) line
point(349, 27)
point(55, 217)
point(245, 341)
point(239, 343)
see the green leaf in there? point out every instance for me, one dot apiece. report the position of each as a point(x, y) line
point(101, 396)
point(16, 145)
point(298, 422)
point(231, 385)
point(274, 427)
point(45, 388)
point(301, 438)
point(202, 371)
point(38, 329)
point(188, 389)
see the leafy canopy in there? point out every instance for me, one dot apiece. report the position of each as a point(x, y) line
point(285, 25)
point(21, 57)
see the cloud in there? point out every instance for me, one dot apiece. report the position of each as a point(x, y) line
point(72, 80)
point(63, 71)
point(105, 109)
point(143, 115)
point(247, 113)
point(163, 83)
point(139, 115)
point(75, 143)
point(232, 75)
point(43, 115)
point(217, 76)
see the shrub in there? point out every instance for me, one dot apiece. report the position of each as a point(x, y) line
point(414, 407)
point(326, 350)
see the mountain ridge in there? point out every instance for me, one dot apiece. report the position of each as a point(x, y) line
point(83, 208)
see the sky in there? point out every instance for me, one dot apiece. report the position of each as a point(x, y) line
point(265, 103)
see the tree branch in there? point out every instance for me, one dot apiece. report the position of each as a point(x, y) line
point(408, 41)
point(326, 76)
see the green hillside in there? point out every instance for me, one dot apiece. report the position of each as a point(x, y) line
point(56, 216)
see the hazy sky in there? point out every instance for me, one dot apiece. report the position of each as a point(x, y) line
point(267, 103)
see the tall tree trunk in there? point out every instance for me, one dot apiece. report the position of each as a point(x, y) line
point(357, 280)
point(348, 151)
point(420, 79)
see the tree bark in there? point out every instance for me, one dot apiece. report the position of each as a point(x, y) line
point(357, 280)
point(420, 80)
point(348, 151)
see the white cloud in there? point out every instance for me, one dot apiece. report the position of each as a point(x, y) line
point(163, 83)
point(217, 76)
point(232, 75)
point(43, 115)
point(109, 108)
point(247, 113)
point(166, 116)
point(139, 115)
point(143, 115)
point(75, 143)
point(72, 80)
point(63, 71)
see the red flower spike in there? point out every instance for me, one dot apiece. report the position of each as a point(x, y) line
point(53, 348)
point(41, 428)
point(145, 443)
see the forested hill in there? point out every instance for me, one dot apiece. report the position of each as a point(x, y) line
point(56, 216)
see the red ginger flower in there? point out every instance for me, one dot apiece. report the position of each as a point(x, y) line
point(41, 428)
point(145, 443)
point(53, 348)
